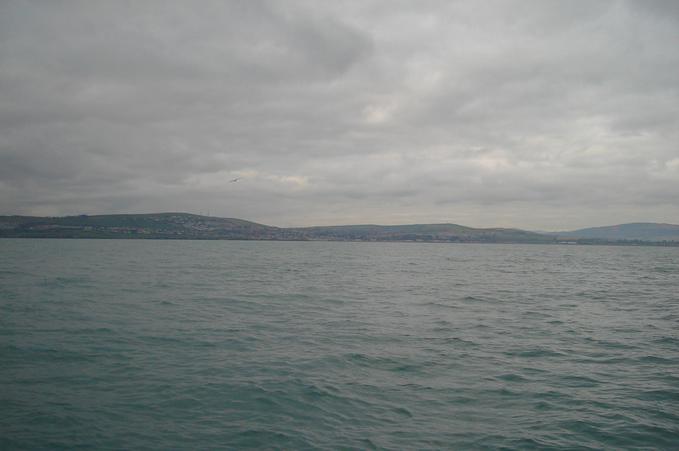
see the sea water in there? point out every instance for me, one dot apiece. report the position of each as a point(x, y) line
point(131, 344)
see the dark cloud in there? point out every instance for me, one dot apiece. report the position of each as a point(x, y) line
point(538, 114)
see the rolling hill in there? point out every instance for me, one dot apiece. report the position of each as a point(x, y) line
point(642, 231)
point(154, 225)
point(189, 226)
point(423, 232)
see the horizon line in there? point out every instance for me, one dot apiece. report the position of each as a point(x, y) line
point(342, 225)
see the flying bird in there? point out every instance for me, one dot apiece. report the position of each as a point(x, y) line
point(234, 180)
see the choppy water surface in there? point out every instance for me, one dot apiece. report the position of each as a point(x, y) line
point(312, 345)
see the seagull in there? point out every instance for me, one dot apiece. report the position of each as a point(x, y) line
point(234, 180)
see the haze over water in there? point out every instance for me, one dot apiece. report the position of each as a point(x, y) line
point(329, 345)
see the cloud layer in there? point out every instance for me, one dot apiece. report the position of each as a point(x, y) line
point(538, 114)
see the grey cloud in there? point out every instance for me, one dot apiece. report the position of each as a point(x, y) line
point(550, 114)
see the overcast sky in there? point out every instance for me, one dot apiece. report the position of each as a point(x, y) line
point(542, 115)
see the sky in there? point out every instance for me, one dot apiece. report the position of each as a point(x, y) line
point(542, 115)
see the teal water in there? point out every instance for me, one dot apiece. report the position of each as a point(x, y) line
point(316, 345)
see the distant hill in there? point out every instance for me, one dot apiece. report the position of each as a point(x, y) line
point(189, 226)
point(642, 231)
point(423, 232)
point(154, 225)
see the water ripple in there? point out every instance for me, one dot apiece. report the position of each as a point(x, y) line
point(273, 345)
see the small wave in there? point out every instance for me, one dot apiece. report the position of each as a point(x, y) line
point(441, 305)
point(512, 377)
point(263, 439)
point(402, 411)
point(473, 299)
point(578, 381)
point(63, 282)
point(90, 331)
point(369, 444)
point(656, 360)
point(457, 340)
point(664, 269)
point(544, 405)
point(667, 340)
point(534, 353)
point(659, 395)
point(610, 344)
point(535, 314)
point(407, 368)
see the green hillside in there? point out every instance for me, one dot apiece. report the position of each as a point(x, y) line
point(641, 231)
point(190, 226)
point(422, 232)
point(155, 225)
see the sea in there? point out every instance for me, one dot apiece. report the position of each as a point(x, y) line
point(162, 345)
